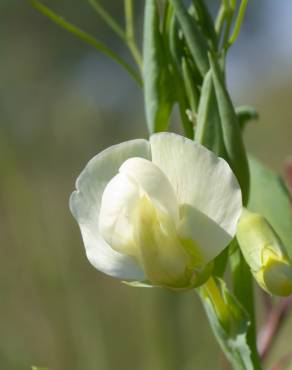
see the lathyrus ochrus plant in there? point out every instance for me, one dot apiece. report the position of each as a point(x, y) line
point(174, 211)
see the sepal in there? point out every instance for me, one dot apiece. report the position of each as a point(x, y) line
point(229, 321)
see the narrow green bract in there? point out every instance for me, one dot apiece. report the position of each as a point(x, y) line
point(190, 87)
point(205, 21)
point(231, 133)
point(269, 197)
point(209, 131)
point(157, 81)
point(229, 322)
point(176, 52)
point(195, 40)
point(245, 114)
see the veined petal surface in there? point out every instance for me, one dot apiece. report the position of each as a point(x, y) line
point(85, 205)
point(117, 212)
point(152, 181)
point(137, 204)
point(199, 232)
point(163, 257)
point(106, 259)
point(158, 211)
point(201, 180)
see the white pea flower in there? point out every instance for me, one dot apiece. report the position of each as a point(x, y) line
point(156, 212)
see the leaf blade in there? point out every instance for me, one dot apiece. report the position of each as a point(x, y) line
point(209, 132)
point(269, 196)
point(196, 42)
point(229, 322)
point(157, 92)
point(232, 137)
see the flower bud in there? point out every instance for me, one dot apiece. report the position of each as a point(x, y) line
point(265, 254)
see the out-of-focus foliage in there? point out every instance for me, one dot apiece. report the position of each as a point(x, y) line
point(271, 198)
point(60, 103)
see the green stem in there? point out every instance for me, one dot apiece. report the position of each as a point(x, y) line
point(182, 103)
point(226, 4)
point(108, 19)
point(128, 35)
point(172, 47)
point(130, 32)
point(187, 124)
point(225, 17)
point(229, 15)
point(243, 290)
point(233, 4)
point(238, 23)
point(220, 20)
point(84, 36)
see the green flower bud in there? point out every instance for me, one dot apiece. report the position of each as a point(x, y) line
point(265, 254)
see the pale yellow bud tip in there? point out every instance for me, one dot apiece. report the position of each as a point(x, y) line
point(276, 277)
point(265, 254)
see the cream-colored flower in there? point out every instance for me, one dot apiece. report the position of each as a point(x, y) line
point(156, 212)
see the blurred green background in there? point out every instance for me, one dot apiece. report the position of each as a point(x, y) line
point(61, 103)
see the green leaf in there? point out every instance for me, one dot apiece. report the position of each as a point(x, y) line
point(245, 114)
point(176, 44)
point(130, 32)
point(39, 368)
point(238, 22)
point(231, 133)
point(242, 282)
point(183, 106)
point(196, 42)
point(209, 132)
point(205, 21)
point(86, 37)
point(270, 197)
point(175, 48)
point(190, 87)
point(157, 80)
point(229, 322)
